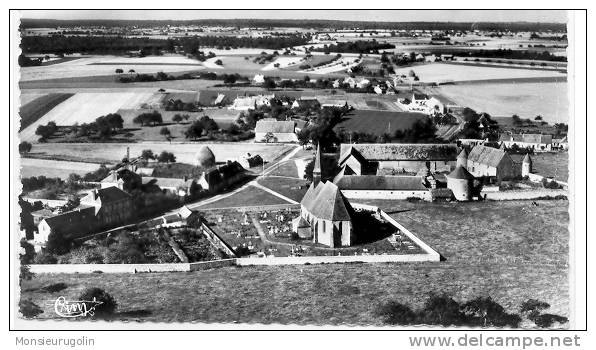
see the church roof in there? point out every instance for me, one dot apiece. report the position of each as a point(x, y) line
point(325, 201)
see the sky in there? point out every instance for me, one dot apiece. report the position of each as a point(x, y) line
point(356, 15)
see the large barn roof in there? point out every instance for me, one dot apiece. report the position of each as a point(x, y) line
point(486, 155)
point(275, 126)
point(403, 151)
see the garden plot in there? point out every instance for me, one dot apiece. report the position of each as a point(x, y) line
point(85, 107)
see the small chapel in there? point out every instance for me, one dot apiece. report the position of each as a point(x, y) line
point(326, 216)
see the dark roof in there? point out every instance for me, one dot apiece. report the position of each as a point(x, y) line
point(223, 173)
point(72, 222)
point(486, 155)
point(350, 152)
point(527, 159)
point(374, 182)
point(107, 195)
point(403, 151)
point(463, 154)
point(275, 126)
point(460, 173)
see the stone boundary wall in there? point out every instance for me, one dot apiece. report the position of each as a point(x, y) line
point(216, 240)
point(130, 268)
point(524, 194)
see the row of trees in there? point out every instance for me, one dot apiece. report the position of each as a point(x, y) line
point(359, 46)
point(149, 118)
point(443, 310)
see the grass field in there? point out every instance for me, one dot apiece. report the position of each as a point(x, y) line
point(378, 122)
point(291, 188)
point(524, 99)
point(184, 152)
point(31, 111)
point(510, 251)
point(84, 108)
point(249, 196)
point(552, 165)
point(53, 168)
point(433, 72)
point(107, 65)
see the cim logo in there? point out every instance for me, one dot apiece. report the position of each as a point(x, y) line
point(76, 308)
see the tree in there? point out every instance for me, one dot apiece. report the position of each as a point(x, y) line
point(538, 117)
point(194, 131)
point(25, 147)
point(177, 118)
point(29, 252)
point(208, 124)
point(130, 71)
point(269, 137)
point(218, 62)
point(165, 132)
point(147, 154)
point(269, 83)
point(490, 313)
point(166, 157)
point(152, 118)
point(119, 71)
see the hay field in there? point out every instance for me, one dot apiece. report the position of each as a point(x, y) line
point(443, 71)
point(524, 99)
point(106, 65)
point(510, 251)
point(54, 168)
point(85, 107)
point(184, 152)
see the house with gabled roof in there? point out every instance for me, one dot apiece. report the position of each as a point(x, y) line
point(493, 163)
point(101, 208)
point(272, 130)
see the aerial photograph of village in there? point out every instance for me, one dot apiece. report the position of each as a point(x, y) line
point(293, 169)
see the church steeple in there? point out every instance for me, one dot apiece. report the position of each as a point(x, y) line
point(316, 172)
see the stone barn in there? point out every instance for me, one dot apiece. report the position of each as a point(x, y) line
point(397, 158)
point(493, 163)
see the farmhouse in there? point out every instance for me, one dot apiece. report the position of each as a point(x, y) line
point(250, 161)
point(306, 102)
point(536, 142)
point(424, 104)
point(103, 208)
point(272, 130)
point(221, 177)
point(245, 103)
point(183, 217)
point(492, 163)
point(326, 211)
point(397, 158)
point(180, 187)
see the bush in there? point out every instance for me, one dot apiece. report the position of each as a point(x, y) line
point(29, 309)
point(45, 258)
point(396, 313)
point(108, 303)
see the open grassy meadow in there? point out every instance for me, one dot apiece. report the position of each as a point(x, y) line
point(434, 72)
point(378, 122)
point(527, 100)
point(84, 107)
point(32, 110)
point(54, 168)
point(184, 152)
